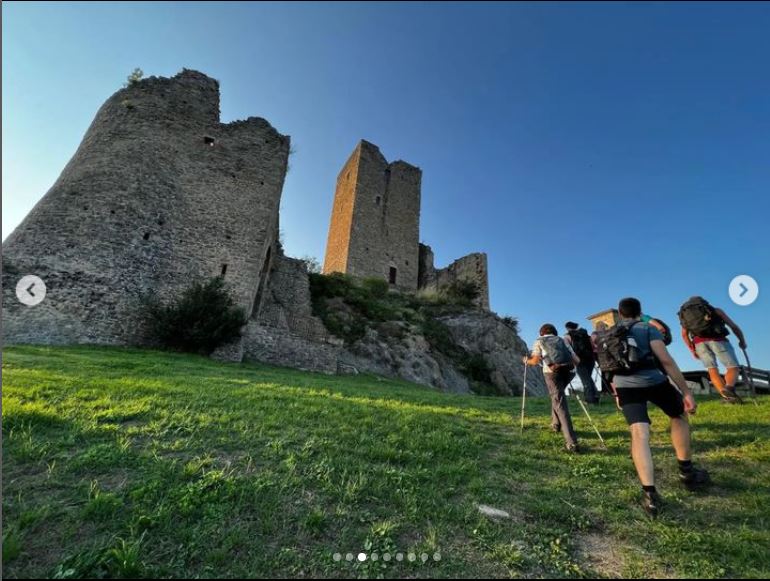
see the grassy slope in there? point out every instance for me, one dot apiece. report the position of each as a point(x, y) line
point(120, 462)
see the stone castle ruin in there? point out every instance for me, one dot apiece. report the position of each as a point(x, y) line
point(375, 228)
point(161, 193)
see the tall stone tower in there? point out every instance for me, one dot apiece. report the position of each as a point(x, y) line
point(375, 224)
point(159, 194)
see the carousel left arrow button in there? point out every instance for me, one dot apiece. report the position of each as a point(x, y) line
point(30, 290)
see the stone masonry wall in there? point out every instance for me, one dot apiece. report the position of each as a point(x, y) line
point(283, 348)
point(376, 218)
point(159, 193)
point(287, 303)
point(472, 267)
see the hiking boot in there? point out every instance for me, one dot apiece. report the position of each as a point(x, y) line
point(555, 429)
point(573, 449)
point(651, 503)
point(694, 479)
point(729, 395)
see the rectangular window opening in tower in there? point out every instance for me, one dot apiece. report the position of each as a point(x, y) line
point(392, 276)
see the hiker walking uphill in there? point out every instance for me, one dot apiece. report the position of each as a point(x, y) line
point(558, 360)
point(632, 352)
point(580, 341)
point(705, 331)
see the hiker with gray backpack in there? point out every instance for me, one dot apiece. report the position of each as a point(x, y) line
point(558, 361)
point(636, 357)
point(705, 331)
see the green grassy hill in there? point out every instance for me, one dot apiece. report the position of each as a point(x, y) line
point(129, 463)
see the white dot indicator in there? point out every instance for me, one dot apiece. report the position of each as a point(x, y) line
point(399, 557)
point(386, 557)
point(349, 557)
point(436, 556)
point(412, 557)
point(362, 557)
point(337, 557)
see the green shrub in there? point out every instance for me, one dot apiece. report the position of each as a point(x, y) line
point(135, 76)
point(463, 291)
point(199, 321)
point(511, 322)
point(477, 368)
point(376, 287)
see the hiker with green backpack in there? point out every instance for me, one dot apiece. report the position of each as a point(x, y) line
point(635, 356)
point(580, 341)
point(705, 331)
point(558, 361)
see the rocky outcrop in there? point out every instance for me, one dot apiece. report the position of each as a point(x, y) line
point(399, 350)
point(485, 334)
point(405, 355)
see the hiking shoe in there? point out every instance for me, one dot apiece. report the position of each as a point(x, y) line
point(555, 429)
point(573, 449)
point(651, 503)
point(730, 396)
point(694, 478)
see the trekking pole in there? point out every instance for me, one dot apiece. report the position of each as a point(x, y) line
point(585, 409)
point(524, 397)
point(750, 374)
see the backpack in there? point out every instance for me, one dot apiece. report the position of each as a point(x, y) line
point(700, 319)
point(666, 332)
point(618, 353)
point(581, 344)
point(556, 351)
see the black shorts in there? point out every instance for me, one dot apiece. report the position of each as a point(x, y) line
point(633, 401)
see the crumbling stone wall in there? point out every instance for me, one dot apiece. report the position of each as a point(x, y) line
point(374, 230)
point(287, 303)
point(159, 193)
point(287, 349)
point(472, 267)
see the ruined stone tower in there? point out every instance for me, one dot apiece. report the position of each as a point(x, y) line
point(375, 229)
point(375, 223)
point(159, 194)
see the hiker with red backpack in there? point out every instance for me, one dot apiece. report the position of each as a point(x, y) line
point(558, 360)
point(580, 341)
point(705, 331)
point(633, 353)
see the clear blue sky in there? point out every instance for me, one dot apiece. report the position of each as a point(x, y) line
point(592, 150)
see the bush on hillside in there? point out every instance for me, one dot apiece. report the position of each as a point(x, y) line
point(203, 318)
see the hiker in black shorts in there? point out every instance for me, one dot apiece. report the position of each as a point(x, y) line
point(633, 351)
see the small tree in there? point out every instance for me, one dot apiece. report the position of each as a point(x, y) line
point(135, 76)
point(312, 263)
point(200, 320)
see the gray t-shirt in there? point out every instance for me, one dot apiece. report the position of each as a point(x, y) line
point(642, 333)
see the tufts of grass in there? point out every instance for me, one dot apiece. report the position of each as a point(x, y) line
point(127, 462)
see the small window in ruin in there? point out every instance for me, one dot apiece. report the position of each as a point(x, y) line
point(378, 200)
point(224, 269)
point(407, 262)
point(146, 235)
point(392, 277)
point(209, 140)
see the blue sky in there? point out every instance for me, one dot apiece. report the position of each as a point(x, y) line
point(592, 150)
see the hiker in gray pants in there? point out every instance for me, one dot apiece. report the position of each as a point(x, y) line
point(558, 360)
